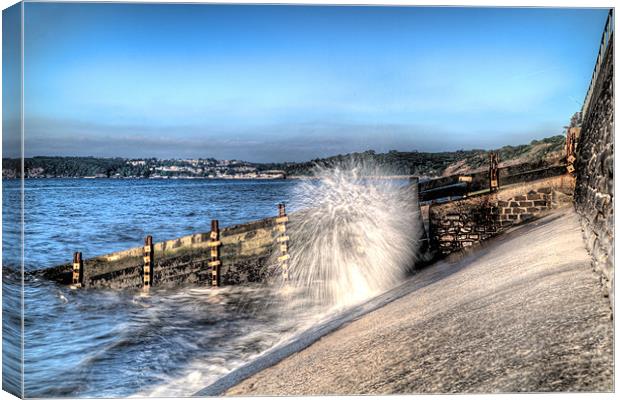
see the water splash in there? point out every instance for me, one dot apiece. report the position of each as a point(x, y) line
point(174, 342)
point(356, 234)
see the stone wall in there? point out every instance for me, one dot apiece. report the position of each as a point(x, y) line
point(461, 224)
point(524, 207)
point(595, 176)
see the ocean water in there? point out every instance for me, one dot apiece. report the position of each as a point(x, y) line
point(169, 342)
point(99, 216)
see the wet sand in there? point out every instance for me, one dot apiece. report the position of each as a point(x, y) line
point(524, 313)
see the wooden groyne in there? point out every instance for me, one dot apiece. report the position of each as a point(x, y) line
point(232, 255)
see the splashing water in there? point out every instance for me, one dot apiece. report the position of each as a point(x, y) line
point(355, 236)
point(351, 238)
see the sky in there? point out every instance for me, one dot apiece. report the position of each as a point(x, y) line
point(293, 83)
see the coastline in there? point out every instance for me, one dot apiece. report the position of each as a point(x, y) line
point(227, 178)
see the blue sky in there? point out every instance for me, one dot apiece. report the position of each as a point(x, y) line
point(276, 83)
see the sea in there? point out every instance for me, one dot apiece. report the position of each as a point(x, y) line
point(106, 343)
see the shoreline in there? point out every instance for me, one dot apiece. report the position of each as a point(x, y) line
point(293, 177)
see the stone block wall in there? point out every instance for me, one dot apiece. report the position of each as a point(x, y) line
point(595, 176)
point(460, 224)
point(524, 207)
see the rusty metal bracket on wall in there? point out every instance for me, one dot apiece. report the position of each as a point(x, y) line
point(572, 136)
point(493, 172)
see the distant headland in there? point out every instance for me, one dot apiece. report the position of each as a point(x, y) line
point(424, 164)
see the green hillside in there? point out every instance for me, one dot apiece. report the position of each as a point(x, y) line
point(547, 151)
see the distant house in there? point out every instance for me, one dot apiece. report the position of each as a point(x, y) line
point(273, 174)
point(136, 162)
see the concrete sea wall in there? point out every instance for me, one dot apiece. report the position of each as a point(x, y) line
point(594, 172)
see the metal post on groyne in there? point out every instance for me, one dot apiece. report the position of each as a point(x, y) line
point(493, 172)
point(78, 269)
point(283, 239)
point(149, 254)
point(215, 262)
point(572, 136)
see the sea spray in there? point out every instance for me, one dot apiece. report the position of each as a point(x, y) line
point(176, 341)
point(354, 235)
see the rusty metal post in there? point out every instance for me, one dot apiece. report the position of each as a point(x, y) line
point(215, 244)
point(572, 136)
point(570, 158)
point(149, 258)
point(493, 172)
point(283, 240)
point(78, 269)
